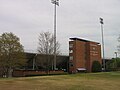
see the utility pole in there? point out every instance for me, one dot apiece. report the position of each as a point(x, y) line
point(103, 49)
point(56, 3)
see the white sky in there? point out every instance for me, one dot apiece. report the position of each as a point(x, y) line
point(75, 18)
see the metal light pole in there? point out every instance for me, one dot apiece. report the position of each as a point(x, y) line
point(34, 61)
point(55, 2)
point(103, 50)
point(116, 59)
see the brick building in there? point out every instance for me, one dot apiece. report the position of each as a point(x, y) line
point(82, 53)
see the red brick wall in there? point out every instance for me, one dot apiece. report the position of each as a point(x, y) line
point(80, 54)
point(94, 54)
point(23, 73)
point(88, 57)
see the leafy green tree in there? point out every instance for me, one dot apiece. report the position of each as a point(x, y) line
point(96, 66)
point(118, 62)
point(11, 53)
point(110, 65)
point(113, 64)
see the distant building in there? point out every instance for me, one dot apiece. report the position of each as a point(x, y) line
point(82, 53)
point(43, 62)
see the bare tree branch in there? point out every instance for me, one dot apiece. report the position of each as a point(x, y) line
point(46, 44)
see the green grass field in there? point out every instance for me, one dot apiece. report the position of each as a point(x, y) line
point(84, 81)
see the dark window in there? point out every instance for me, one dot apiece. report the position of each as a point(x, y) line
point(71, 64)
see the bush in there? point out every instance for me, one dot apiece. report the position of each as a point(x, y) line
point(96, 66)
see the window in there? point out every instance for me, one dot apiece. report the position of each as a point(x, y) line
point(71, 46)
point(71, 64)
point(70, 51)
point(71, 57)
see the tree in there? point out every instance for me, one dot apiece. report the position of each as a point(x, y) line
point(96, 66)
point(46, 46)
point(113, 64)
point(11, 53)
point(46, 43)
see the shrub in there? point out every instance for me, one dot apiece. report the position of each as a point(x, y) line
point(96, 66)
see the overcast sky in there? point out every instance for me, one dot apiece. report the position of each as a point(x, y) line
point(75, 18)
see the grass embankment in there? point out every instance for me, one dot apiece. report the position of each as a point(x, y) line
point(86, 81)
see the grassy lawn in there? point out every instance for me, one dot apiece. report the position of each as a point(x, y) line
point(86, 81)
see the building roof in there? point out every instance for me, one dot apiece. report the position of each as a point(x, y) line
point(82, 40)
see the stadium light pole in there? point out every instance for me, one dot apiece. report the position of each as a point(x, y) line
point(56, 3)
point(103, 49)
point(34, 61)
point(116, 59)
